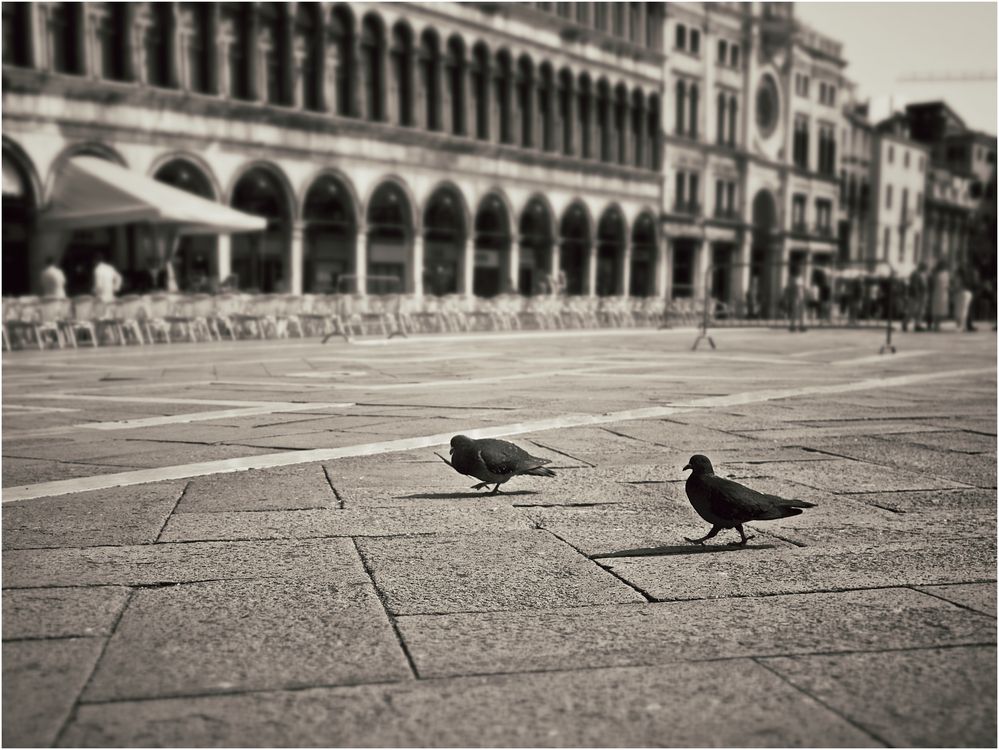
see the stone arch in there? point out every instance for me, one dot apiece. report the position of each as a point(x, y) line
point(575, 240)
point(330, 218)
point(455, 71)
point(612, 235)
point(765, 268)
point(341, 32)
point(262, 260)
point(84, 148)
point(21, 201)
point(536, 235)
point(401, 88)
point(493, 236)
point(445, 233)
point(373, 66)
point(195, 258)
point(644, 252)
point(391, 223)
point(276, 172)
point(197, 162)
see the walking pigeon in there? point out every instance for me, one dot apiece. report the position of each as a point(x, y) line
point(727, 505)
point(493, 461)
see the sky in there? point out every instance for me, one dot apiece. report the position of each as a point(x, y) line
point(883, 42)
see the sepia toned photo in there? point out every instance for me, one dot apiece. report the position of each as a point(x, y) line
point(499, 374)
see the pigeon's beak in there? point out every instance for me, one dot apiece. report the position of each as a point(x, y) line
point(686, 467)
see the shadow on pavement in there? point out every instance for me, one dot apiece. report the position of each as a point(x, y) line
point(684, 549)
point(458, 495)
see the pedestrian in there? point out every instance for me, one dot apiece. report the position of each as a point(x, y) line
point(107, 281)
point(795, 295)
point(53, 280)
point(915, 299)
point(939, 294)
point(962, 297)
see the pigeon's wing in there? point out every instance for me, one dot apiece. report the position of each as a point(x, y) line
point(740, 503)
point(503, 458)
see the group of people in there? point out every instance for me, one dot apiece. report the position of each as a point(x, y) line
point(929, 296)
point(107, 280)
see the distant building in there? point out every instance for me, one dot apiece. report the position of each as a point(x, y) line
point(898, 184)
point(855, 203)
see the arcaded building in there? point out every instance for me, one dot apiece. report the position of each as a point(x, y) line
point(466, 148)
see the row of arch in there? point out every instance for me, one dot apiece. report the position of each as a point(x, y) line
point(440, 248)
point(319, 58)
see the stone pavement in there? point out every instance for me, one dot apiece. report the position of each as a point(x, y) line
point(253, 543)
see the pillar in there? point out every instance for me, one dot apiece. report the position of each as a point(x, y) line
point(590, 288)
point(662, 267)
point(702, 260)
point(224, 246)
point(513, 265)
point(296, 258)
point(173, 53)
point(467, 286)
point(742, 273)
point(361, 261)
point(416, 272)
point(624, 283)
point(556, 258)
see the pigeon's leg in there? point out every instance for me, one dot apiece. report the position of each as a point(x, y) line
point(703, 539)
point(480, 485)
point(496, 489)
point(743, 535)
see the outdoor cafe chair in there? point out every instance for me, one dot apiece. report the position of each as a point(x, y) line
point(81, 321)
point(127, 311)
point(155, 311)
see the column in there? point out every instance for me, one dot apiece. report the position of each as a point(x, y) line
point(513, 265)
point(590, 289)
point(467, 286)
point(624, 278)
point(417, 269)
point(741, 274)
point(297, 257)
point(361, 261)
point(556, 258)
point(224, 256)
point(173, 46)
point(36, 42)
point(662, 267)
point(702, 260)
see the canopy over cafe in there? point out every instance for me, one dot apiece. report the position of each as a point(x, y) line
point(146, 228)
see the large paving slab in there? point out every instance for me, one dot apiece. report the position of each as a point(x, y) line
point(391, 521)
point(980, 597)
point(608, 708)
point(233, 636)
point(959, 441)
point(482, 572)
point(646, 634)
point(924, 698)
point(847, 476)
point(282, 488)
point(41, 681)
point(128, 515)
point(148, 564)
point(20, 472)
point(749, 572)
point(973, 502)
point(61, 612)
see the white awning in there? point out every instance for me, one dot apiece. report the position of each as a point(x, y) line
point(93, 192)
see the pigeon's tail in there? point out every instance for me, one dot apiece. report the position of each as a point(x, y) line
point(797, 503)
point(541, 471)
point(784, 508)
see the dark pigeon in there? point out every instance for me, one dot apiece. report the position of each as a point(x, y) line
point(493, 461)
point(727, 505)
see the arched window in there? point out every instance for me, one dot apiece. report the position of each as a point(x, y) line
point(643, 257)
point(585, 106)
point(235, 38)
point(196, 48)
point(693, 110)
point(653, 133)
point(565, 113)
point(64, 23)
point(17, 34)
point(610, 252)
point(373, 68)
point(401, 87)
point(307, 60)
point(430, 80)
point(444, 236)
point(492, 249)
point(546, 106)
point(390, 232)
point(733, 120)
point(272, 18)
point(536, 243)
point(157, 44)
point(111, 30)
point(456, 85)
point(576, 240)
point(341, 44)
point(330, 236)
point(722, 102)
point(621, 124)
point(480, 90)
point(604, 121)
point(681, 99)
point(525, 102)
point(262, 260)
point(638, 123)
point(504, 94)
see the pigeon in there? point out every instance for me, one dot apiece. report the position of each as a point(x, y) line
point(493, 461)
point(727, 505)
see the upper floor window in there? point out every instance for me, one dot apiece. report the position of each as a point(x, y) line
point(888, 196)
point(891, 154)
point(722, 51)
point(798, 211)
point(823, 215)
point(905, 159)
point(733, 56)
point(695, 42)
point(681, 36)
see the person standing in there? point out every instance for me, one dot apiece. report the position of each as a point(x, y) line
point(53, 280)
point(962, 297)
point(916, 299)
point(107, 281)
point(939, 295)
point(796, 294)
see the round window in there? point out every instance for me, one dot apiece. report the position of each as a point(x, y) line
point(767, 104)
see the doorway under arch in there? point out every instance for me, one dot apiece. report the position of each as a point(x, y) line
point(492, 249)
point(390, 233)
point(576, 241)
point(20, 204)
point(330, 235)
point(261, 261)
point(610, 252)
point(643, 257)
point(764, 279)
point(444, 237)
point(536, 242)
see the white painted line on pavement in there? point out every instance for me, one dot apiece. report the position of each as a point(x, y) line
point(882, 358)
point(204, 416)
point(825, 351)
point(291, 458)
point(149, 399)
point(35, 409)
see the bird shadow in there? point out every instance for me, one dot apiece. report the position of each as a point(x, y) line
point(459, 495)
point(681, 549)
